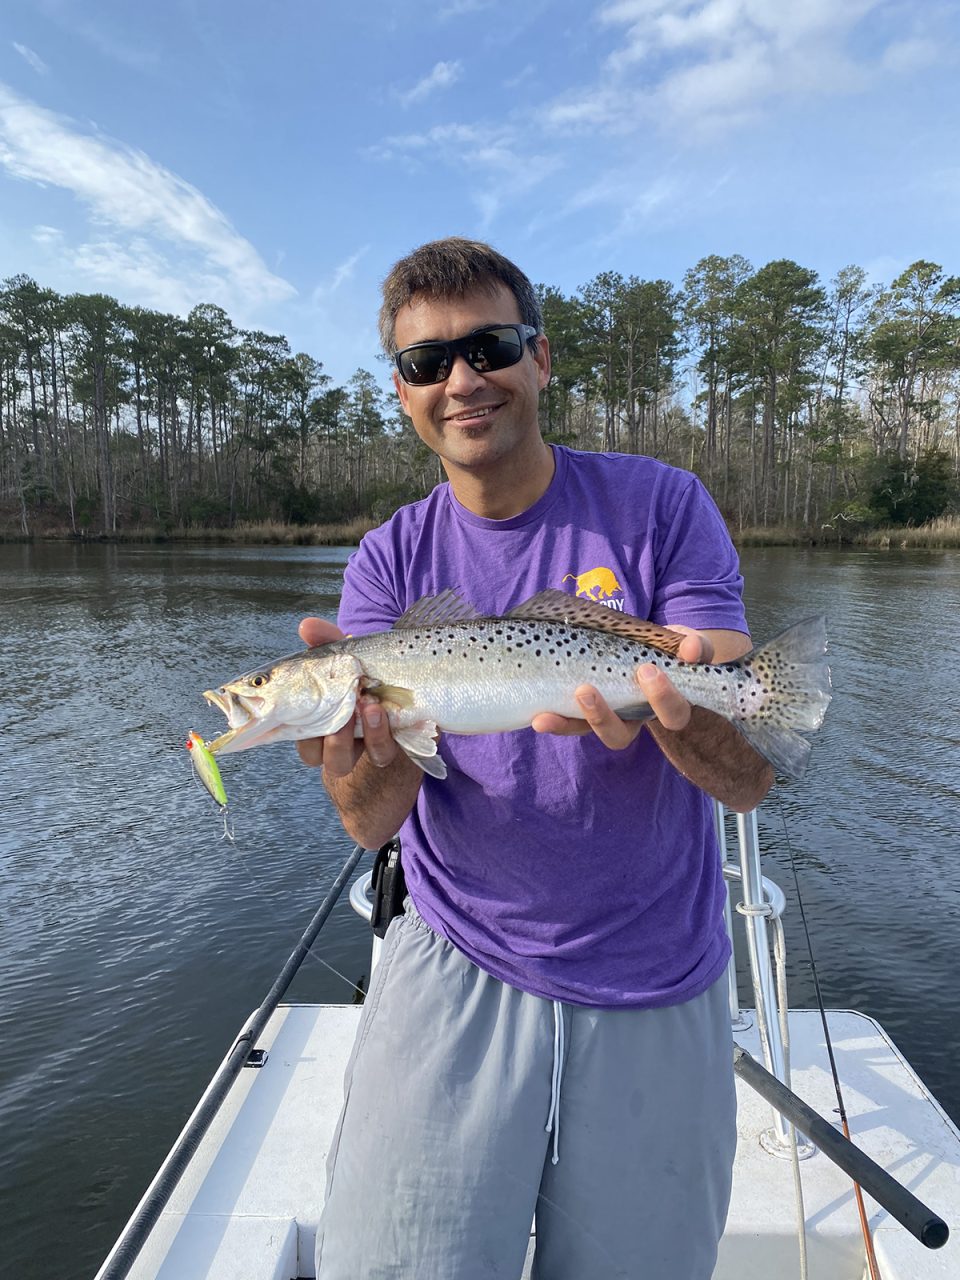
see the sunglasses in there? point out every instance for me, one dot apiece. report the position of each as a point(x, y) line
point(485, 351)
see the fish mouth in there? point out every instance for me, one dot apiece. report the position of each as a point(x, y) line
point(244, 718)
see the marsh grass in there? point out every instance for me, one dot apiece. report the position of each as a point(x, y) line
point(778, 535)
point(275, 533)
point(942, 532)
point(253, 533)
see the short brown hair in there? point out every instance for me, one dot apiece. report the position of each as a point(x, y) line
point(448, 269)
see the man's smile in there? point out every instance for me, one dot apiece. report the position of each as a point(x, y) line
point(475, 414)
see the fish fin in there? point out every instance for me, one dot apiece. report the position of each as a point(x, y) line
point(433, 765)
point(637, 711)
point(419, 744)
point(556, 606)
point(431, 611)
point(787, 750)
point(393, 693)
point(793, 669)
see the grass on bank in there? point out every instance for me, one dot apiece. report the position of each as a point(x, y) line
point(941, 533)
point(257, 533)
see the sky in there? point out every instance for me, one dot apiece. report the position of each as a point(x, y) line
point(276, 159)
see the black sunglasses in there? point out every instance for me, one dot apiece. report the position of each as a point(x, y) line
point(485, 350)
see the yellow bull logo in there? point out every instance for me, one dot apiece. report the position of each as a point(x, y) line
point(596, 584)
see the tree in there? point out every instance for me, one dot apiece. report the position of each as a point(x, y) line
point(780, 311)
point(914, 493)
point(915, 332)
point(710, 315)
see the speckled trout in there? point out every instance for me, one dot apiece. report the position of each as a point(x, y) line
point(443, 667)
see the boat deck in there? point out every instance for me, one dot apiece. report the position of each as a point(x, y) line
point(250, 1201)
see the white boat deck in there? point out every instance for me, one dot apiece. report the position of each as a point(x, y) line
point(249, 1203)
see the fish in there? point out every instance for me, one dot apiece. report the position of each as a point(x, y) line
point(445, 668)
point(208, 771)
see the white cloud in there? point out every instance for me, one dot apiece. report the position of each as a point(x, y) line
point(458, 8)
point(504, 169)
point(606, 109)
point(140, 201)
point(701, 66)
point(913, 54)
point(32, 59)
point(45, 235)
point(344, 271)
point(137, 269)
point(443, 75)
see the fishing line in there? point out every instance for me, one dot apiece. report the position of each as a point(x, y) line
point(263, 889)
point(841, 1108)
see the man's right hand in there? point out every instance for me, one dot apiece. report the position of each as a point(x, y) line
point(339, 752)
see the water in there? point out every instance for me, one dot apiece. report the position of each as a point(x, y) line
point(135, 940)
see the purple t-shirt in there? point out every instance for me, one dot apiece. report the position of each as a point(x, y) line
point(563, 868)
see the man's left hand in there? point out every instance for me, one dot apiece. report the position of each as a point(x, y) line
point(668, 705)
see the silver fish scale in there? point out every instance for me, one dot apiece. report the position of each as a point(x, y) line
point(463, 664)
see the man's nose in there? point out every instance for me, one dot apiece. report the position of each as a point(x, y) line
point(463, 379)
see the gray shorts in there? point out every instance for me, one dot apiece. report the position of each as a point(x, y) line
point(442, 1156)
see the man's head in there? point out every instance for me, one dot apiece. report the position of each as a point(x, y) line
point(474, 362)
point(449, 269)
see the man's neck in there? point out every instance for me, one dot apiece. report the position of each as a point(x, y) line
point(506, 489)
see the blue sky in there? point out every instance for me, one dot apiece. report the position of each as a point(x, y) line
point(277, 158)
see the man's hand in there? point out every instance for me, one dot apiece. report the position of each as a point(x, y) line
point(339, 752)
point(670, 708)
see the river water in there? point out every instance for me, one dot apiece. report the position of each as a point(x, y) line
point(135, 940)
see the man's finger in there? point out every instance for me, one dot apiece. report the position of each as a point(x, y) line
point(310, 751)
point(377, 738)
point(341, 750)
point(550, 722)
point(605, 723)
point(670, 707)
point(314, 631)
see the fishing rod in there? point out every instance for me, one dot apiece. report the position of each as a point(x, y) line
point(901, 1204)
point(134, 1236)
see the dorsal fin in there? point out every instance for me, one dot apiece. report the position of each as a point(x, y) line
point(434, 611)
point(556, 606)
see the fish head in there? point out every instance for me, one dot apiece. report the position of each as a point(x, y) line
point(308, 695)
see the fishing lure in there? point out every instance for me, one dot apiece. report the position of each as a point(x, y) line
point(207, 771)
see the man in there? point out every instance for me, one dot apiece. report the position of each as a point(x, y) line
point(547, 1029)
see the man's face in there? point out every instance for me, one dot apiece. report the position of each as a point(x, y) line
point(472, 420)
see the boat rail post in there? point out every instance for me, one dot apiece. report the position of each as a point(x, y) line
point(738, 1019)
point(755, 908)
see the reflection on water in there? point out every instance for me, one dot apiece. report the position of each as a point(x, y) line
point(136, 940)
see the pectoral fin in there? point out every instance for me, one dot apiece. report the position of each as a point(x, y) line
point(394, 694)
point(419, 744)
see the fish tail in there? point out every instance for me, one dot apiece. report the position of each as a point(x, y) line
point(792, 679)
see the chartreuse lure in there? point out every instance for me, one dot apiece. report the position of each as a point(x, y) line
point(202, 759)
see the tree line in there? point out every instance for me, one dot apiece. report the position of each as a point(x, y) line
point(797, 403)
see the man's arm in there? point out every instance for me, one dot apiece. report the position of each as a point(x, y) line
point(703, 746)
point(370, 781)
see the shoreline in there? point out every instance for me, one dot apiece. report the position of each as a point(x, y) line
point(939, 535)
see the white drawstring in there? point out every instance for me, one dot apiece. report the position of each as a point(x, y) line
point(553, 1119)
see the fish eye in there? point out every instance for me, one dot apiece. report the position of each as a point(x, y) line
point(259, 679)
